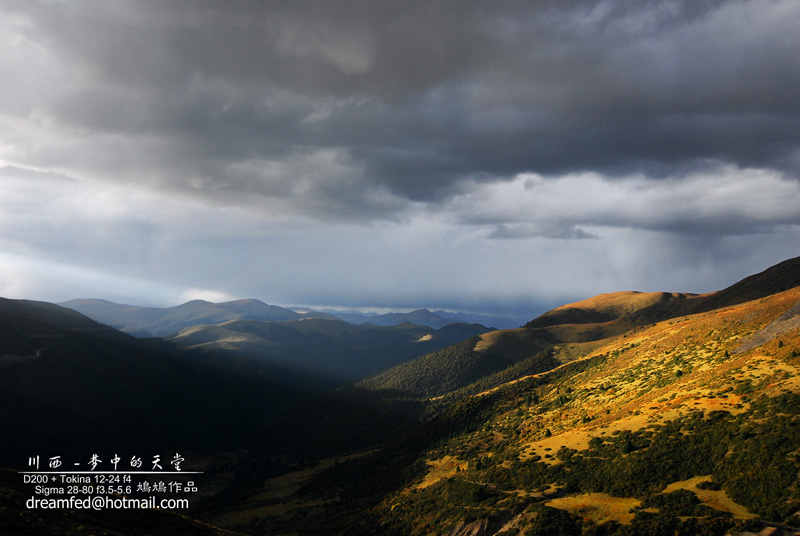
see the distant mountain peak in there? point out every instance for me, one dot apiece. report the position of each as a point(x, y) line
point(192, 304)
point(245, 301)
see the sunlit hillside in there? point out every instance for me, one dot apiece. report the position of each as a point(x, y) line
point(688, 424)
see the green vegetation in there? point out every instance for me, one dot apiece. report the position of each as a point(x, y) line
point(439, 372)
point(751, 455)
point(326, 347)
point(756, 463)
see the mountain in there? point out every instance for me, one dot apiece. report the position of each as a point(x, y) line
point(624, 414)
point(606, 308)
point(685, 425)
point(425, 317)
point(71, 388)
point(782, 276)
point(160, 322)
point(331, 348)
point(68, 383)
point(567, 332)
point(422, 317)
point(555, 338)
point(497, 322)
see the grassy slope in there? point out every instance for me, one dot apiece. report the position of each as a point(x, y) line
point(684, 399)
point(679, 425)
point(604, 308)
point(691, 424)
point(559, 336)
point(480, 358)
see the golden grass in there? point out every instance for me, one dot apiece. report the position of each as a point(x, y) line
point(578, 438)
point(573, 439)
point(490, 339)
point(623, 393)
point(718, 500)
point(512, 382)
point(441, 469)
point(598, 507)
point(618, 303)
point(514, 344)
point(642, 378)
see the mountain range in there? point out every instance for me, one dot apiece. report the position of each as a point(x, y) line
point(424, 317)
point(248, 334)
point(325, 347)
point(629, 413)
point(624, 414)
point(163, 321)
point(68, 383)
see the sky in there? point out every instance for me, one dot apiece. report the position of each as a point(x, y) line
point(493, 157)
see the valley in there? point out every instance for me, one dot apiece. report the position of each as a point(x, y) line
point(623, 414)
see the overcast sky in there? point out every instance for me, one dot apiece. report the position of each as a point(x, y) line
point(498, 157)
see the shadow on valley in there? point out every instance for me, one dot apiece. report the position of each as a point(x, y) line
point(624, 414)
point(72, 388)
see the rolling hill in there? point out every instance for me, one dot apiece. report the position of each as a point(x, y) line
point(71, 387)
point(689, 425)
point(534, 348)
point(606, 308)
point(162, 322)
point(330, 348)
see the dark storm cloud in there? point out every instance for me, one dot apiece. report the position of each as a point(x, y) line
point(410, 99)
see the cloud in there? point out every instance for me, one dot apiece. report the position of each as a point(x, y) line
point(547, 230)
point(348, 153)
point(214, 296)
point(413, 98)
point(715, 201)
